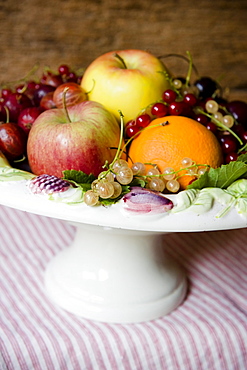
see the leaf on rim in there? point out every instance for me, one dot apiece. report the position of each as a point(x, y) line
point(221, 177)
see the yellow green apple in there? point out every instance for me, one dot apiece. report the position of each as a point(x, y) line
point(125, 80)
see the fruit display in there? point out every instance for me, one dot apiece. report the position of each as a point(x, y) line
point(125, 122)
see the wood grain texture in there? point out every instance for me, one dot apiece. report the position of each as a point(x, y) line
point(77, 31)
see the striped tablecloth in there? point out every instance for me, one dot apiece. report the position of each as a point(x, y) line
point(208, 331)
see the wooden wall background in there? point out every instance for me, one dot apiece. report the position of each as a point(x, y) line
point(52, 32)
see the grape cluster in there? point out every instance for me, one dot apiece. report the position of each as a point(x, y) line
point(109, 183)
point(201, 101)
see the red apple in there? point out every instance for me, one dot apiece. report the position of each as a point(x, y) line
point(83, 140)
point(126, 80)
point(12, 140)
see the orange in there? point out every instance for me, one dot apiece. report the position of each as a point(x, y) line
point(167, 145)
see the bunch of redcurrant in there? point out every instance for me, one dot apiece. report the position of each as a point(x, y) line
point(203, 102)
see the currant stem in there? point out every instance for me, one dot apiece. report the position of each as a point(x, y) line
point(188, 77)
point(221, 125)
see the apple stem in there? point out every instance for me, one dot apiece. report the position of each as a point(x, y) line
point(64, 104)
point(121, 60)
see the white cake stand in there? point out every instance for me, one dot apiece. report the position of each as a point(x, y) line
point(116, 269)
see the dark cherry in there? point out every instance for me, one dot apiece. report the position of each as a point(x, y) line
point(231, 157)
point(201, 118)
point(47, 101)
point(40, 92)
point(71, 77)
point(244, 137)
point(51, 79)
point(12, 140)
point(211, 126)
point(206, 87)
point(6, 92)
point(15, 103)
point(229, 145)
point(64, 70)
point(238, 109)
point(27, 117)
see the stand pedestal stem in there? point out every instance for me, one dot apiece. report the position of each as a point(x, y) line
point(115, 275)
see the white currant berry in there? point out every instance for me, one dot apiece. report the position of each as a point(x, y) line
point(228, 120)
point(118, 164)
point(117, 189)
point(217, 116)
point(186, 162)
point(138, 168)
point(202, 170)
point(192, 171)
point(177, 83)
point(172, 186)
point(91, 198)
point(156, 184)
point(106, 176)
point(168, 173)
point(153, 172)
point(212, 106)
point(105, 189)
point(124, 175)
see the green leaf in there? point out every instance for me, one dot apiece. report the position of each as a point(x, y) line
point(79, 178)
point(221, 177)
point(138, 181)
point(242, 158)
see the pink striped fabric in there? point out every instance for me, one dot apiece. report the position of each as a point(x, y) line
point(209, 331)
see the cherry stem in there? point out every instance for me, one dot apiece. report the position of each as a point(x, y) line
point(121, 60)
point(64, 103)
point(7, 114)
point(188, 77)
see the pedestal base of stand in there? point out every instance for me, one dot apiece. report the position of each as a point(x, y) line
point(115, 275)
